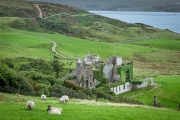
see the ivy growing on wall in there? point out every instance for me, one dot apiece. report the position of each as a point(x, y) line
point(126, 71)
point(82, 78)
point(99, 74)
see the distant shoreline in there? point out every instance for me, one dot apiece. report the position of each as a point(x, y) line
point(161, 20)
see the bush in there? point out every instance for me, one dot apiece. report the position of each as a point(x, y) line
point(59, 90)
point(72, 85)
point(135, 82)
point(41, 78)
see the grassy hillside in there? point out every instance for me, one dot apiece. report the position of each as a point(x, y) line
point(166, 90)
point(22, 45)
point(27, 60)
point(14, 108)
point(74, 22)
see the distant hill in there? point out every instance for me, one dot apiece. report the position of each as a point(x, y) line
point(122, 5)
point(71, 21)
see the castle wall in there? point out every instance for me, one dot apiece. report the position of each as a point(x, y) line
point(122, 88)
point(108, 71)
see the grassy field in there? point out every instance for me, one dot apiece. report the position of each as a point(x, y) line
point(166, 90)
point(22, 45)
point(13, 107)
point(158, 56)
point(70, 46)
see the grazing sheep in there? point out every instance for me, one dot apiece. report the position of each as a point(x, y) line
point(30, 105)
point(64, 99)
point(53, 110)
point(43, 97)
point(60, 109)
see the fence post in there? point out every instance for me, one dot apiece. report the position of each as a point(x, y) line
point(96, 97)
point(155, 101)
point(19, 91)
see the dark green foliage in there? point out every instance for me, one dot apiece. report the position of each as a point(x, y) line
point(45, 67)
point(59, 90)
point(60, 27)
point(71, 77)
point(26, 24)
point(135, 82)
point(8, 62)
point(41, 78)
point(7, 76)
point(72, 85)
point(39, 65)
point(24, 85)
point(57, 66)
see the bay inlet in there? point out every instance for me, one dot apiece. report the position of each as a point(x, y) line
point(161, 20)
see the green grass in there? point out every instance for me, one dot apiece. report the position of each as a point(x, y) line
point(164, 61)
point(68, 46)
point(13, 107)
point(161, 43)
point(76, 47)
point(20, 45)
point(167, 92)
point(150, 57)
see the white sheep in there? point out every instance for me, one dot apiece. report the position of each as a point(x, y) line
point(30, 105)
point(64, 99)
point(43, 97)
point(53, 110)
point(60, 109)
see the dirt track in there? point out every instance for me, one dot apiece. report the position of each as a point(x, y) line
point(39, 9)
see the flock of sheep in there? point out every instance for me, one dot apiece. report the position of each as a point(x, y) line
point(52, 110)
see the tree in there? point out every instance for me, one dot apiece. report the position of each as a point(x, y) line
point(57, 66)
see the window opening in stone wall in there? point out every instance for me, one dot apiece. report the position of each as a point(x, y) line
point(90, 84)
point(127, 76)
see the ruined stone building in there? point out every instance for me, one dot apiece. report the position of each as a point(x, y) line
point(90, 71)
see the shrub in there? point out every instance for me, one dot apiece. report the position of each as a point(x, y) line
point(135, 82)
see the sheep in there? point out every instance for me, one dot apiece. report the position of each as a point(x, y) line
point(53, 110)
point(64, 99)
point(60, 109)
point(30, 105)
point(43, 97)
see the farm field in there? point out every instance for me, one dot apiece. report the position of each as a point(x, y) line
point(166, 90)
point(14, 108)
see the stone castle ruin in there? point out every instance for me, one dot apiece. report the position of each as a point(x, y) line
point(90, 71)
